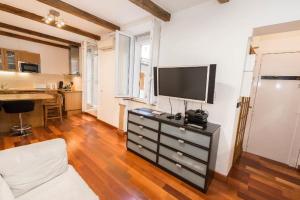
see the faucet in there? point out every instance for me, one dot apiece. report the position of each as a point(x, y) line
point(3, 86)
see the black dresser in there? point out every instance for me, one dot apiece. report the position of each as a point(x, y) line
point(187, 152)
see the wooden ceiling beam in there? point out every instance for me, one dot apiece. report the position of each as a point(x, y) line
point(22, 37)
point(153, 8)
point(30, 32)
point(35, 17)
point(80, 13)
point(223, 1)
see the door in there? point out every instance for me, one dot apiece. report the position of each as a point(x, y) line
point(92, 78)
point(275, 130)
point(110, 112)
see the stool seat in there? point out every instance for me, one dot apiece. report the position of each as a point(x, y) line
point(19, 107)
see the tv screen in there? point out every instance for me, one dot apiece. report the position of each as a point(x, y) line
point(183, 82)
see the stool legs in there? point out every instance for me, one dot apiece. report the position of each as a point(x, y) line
point(22, 129)
point(21, 121)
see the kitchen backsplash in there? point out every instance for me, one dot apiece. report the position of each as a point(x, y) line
point(15, 80)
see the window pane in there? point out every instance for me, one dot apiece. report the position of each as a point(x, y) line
point(123, 68)
point(144, 64)
point(146, 51)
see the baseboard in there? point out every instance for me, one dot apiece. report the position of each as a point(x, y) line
point(103, 122)
point(220, 177)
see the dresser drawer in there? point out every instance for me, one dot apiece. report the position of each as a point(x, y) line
point(142, 151)
point(181, 159)
point(182, 172)
point(141, 130)
point(142, 141)
point(187, 135)
point(184, 147)
point(144, 121)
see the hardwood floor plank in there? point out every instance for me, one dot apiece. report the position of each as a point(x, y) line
point(99, 154)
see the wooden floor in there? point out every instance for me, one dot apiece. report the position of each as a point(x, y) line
point(259, 178)
point(99, 154)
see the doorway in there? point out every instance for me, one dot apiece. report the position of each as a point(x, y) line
point(91, 79)
point(275, 119)
point(273, 127)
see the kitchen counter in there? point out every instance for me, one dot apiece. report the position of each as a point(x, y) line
point(22, 91)
point(19, 97)
point(35, 90)
point(34, 118)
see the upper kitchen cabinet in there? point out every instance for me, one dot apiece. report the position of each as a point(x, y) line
point(10, 60)
point(1, 59)
point(28, 57)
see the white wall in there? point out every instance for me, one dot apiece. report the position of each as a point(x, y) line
point(54, 60)
point(210, 33)
point(214, 33)
point(108, 110)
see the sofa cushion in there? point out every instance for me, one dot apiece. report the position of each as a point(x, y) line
point(68, 186)
point(5, 192)
point(26, 167)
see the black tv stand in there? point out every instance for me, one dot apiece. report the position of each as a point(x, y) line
point(188, 152)
point(170, 116)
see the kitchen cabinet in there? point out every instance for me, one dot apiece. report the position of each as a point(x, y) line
point(10, 60)
point(72, 102)
point(1, 59)
point(28, 57)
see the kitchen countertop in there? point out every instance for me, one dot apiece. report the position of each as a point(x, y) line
point(19, 97)
point(24, 90)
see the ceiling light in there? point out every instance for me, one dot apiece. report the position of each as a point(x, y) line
point(54, 16)
point(59, 23)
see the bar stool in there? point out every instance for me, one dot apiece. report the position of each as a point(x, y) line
point(19, 107)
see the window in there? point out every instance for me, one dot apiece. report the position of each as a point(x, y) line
point(142, 67)
point(124, 62)
point(135, 58)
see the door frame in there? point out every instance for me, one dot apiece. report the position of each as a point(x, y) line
point(255, 84)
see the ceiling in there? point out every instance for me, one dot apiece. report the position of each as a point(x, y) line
point(177, 5)
point(119, 12)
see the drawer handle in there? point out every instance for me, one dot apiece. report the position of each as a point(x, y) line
point(182, 129)
point(178, 165)
point(141, 127)
point(141, 137)
point(181, 141)
point(141, 117)
point(140, 146)
point(179, 153)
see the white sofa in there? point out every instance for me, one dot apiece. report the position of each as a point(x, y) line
point(41, 172)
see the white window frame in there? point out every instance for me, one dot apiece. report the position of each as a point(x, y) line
point(137, 67)
point(155, 32)
point(131, 68)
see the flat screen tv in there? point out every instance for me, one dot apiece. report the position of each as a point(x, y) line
point(192, 83)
